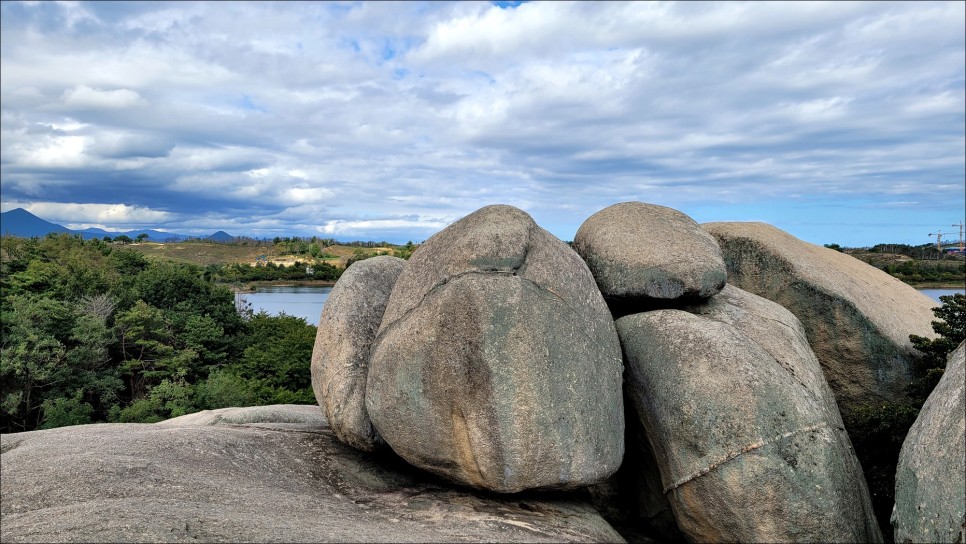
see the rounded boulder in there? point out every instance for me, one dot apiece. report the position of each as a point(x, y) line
point(637, 250)
point(747, 450)
point(349, 322)
point(497, 364)
point(857, 318)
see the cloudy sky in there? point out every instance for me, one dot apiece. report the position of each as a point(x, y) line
point(837, 122)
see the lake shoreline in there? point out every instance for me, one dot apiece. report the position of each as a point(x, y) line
point(936, 285)
point(253, 286)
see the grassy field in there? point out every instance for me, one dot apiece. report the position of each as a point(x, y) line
point(205, 253)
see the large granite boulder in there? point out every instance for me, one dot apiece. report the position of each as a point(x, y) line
point(266, 474)
point(497, 364)
point(857, 318)
point(645, 251)
point(749, 446)
point(340, 358)
point(780, 333)
point(931, 477)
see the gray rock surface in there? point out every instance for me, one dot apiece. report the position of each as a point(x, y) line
point(267, 474)
point(931, 476)
point(340, 358)
point(747, 450)
point(857, 318)
point(778, 332)
point(497, 364)
point(634, 496)
point(638, 250)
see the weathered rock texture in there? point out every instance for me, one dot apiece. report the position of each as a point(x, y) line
point(340, 359)
point(857, 318)
point(267, 474)
point(748, 445)
point(931, 477)
point(637, 250)
point(497, 364)
point(778, 332)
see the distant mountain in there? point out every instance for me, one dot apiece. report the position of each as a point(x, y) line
point(153, 235)
point(20, 222)
point(221, 236)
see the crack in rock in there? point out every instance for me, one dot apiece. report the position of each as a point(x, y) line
point(734, 455)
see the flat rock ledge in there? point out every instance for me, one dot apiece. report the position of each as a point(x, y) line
point(262, 474)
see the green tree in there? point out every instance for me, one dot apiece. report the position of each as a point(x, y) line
point(950, 331)
point(33, 360)
point(147, 348)
point(225, 388)
point(279, 357)
point(96, 332)
point(63, 411)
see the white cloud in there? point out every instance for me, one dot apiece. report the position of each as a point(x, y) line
point(83, 96)
point(51, 152)
point(343, 227)
point(94, 214)
point(297, 195)
point(390, 116)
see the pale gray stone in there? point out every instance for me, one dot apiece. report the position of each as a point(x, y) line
point(931, 476)
point(497, 364)
point(857, 318)
point(265, 474)
point(645, 251)
point(340, 359)
point(748, 451)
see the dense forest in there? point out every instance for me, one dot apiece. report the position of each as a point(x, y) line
point(92, 332)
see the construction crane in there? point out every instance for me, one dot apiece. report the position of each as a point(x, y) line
point(960, 225)
point(939, 239)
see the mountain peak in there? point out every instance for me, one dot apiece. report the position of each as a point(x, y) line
point(221, 236)
point(20, 222)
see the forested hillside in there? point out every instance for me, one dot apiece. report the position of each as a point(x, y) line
point(93, 332)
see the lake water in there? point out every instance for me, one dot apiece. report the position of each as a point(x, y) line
point(304, 302)
point(307, 302)
point(936, 293)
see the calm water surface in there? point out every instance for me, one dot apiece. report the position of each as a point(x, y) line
point(307, 302)
point(304, 302)
point(936, 293)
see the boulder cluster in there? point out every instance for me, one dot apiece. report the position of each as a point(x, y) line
point(490, 359)
point(690, 377)
point(500, 358)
